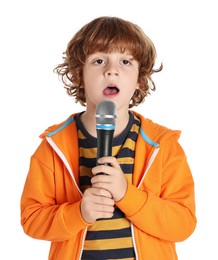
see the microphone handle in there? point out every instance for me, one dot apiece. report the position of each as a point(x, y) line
point(104, 143)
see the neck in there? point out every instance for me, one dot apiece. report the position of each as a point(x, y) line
point(121, 123)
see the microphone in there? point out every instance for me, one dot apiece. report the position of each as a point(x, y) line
point(105, 125)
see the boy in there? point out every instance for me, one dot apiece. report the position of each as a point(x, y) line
point(144, 202)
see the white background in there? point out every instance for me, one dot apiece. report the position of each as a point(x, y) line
point(33, 36)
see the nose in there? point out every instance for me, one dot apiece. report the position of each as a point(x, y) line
point(111, 69)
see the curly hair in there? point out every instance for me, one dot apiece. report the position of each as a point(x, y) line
point(107, 34)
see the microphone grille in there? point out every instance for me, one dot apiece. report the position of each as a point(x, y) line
point(106, 113)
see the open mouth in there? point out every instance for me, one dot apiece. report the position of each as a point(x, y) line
point(111, 90)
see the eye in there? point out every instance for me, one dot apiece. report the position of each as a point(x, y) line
point(126, 62)
point(99, 61)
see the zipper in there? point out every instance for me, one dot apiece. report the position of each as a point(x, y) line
point(156, 150)
point(83, 240)
point(134, 242)
point(64, 160)
point(153, 156)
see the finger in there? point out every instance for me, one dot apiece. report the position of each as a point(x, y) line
point(102, 169)
point(105, 178)
point(104, 202)
point(104, 208)
point(108, 160)
point(100, 192)
point(100, 214)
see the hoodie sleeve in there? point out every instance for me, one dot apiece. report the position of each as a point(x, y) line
point(43, 214)
point(164, 204)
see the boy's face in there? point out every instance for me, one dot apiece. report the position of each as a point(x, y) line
point(110, 76)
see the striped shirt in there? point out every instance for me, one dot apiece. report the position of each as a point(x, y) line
point(108, 238)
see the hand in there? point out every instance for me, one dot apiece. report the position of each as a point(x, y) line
point(96, 203)
point(113, 180)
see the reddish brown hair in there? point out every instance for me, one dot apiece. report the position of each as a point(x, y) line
point(106, 34)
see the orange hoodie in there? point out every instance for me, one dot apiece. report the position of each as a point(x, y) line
point(160, 203)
